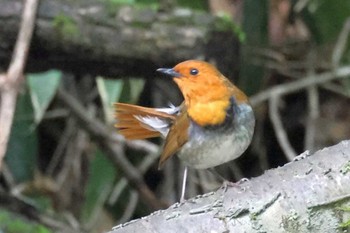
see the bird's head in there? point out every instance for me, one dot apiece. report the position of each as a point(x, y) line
point(204, 89)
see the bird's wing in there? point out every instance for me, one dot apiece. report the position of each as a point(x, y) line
point(136, 122)
point(177, 136)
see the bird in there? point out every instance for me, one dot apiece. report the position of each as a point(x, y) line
point(213, 125)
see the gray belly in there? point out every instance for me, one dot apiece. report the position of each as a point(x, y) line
point(212, 147)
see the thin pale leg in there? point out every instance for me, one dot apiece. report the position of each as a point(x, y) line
point(183, 190)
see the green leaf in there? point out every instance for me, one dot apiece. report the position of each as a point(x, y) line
point(136, 87)
point(100, 183)
point(42, 87)
point(326, 18)
point(14, 223)
point(255, 23)
point(21, 156)
point(194, 4)
point(224, 22)
point(132, 89)
point(120, 90)
point(110, 91)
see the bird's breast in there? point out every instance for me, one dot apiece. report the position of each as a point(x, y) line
point(209, 113)
point(212, 146)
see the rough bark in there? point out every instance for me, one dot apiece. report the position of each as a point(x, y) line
point(99, 38)
point(306, 195)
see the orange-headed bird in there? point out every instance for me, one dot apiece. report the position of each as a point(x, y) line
point(213, 125)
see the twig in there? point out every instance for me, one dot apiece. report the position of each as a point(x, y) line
point(117, 191)
point(313, 107)
point(55, 223)
point(192, 187)
point(139, 145)
point(336, 88)
point(279, 130)
point(143, 167)
point(284, 89)
point(168, 188)
point(340, 46)
point(130, 209)
point(107, 141)
point(259, 146)
point(313, 114)
point(8, 176)
point(13, 79)
point(61, 145)
point(300, 5)
point(53, 114)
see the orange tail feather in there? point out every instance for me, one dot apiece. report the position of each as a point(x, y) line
point(130, 127)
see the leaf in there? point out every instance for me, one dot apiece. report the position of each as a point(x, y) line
point(120, 90)
point(255, 26)
point(194, 4)
point(110, 91)
point(12, 223)
point(21, 155)
point(326, 18)
point(136, 87)
point(42, 88)
point(132, 89)
point(99, 186)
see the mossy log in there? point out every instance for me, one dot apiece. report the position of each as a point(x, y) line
point(98, 37)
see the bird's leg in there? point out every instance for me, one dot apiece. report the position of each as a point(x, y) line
point(182, 198)
point(225, 182)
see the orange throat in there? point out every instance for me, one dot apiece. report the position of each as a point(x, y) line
point(206, 106)
point(210, 113)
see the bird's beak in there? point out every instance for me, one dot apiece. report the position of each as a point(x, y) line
point(169, 72)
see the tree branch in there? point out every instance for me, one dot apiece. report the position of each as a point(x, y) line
point(97, 37)
point(111, 143)
point(280, 132)
point(304, 195)
point(11, 81)
point(294, 86)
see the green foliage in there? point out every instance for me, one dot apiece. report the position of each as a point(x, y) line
point(346, 168)
point(121, 2)
point(11, 223)
point(132, 89)
point(102, 171)
point(21, 156)
point(255, 26)
point(194, 4)
point(224, 22)
point(114, 90)
point(345, 224)
point(147, 2)
point(113, 5)
point(110, 92)
point(100, 183)
point(66, 26)
point(326, 18)
point(42, 88)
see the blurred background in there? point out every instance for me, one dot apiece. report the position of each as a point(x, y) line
point(67, 170)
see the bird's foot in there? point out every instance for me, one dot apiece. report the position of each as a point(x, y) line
point(237, 184)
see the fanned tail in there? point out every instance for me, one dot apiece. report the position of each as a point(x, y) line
point(136, 122)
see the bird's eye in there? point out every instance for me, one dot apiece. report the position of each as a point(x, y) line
point(193, 71)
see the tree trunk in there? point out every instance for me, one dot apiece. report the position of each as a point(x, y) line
point(310, 194)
